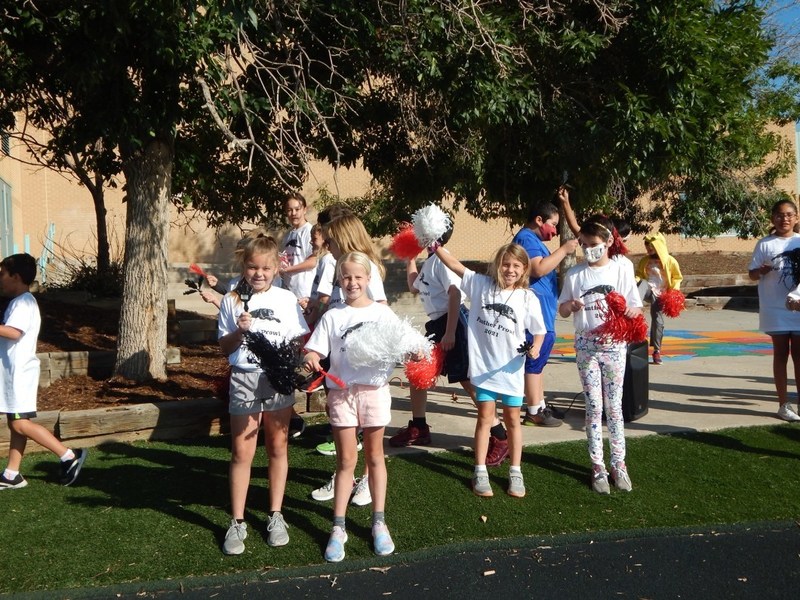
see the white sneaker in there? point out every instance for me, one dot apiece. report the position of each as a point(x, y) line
point(234, 538)
point(786, 413)
point(325, 493)
point(361, 495)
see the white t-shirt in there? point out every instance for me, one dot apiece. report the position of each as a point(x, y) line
point(496, 329)
point(433, 282)
point(328, 286)
point(20, 365)
point(625, 262)
point(297, 247)
point(773, 316)
point(326, 261)
point(590, 285)
point(275, 313)
point(329, 337)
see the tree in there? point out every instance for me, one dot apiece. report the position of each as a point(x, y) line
point(123, 70)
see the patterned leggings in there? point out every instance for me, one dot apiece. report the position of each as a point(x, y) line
point(602, 371)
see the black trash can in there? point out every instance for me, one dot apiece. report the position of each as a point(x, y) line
point(636, 387)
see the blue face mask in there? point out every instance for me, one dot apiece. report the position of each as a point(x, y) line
point(594, 253)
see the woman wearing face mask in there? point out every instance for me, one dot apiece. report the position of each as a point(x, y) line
point(600, 360)
point(541, 227)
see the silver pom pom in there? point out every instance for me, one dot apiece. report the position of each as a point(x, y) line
point(383, 345)
point(430, 223)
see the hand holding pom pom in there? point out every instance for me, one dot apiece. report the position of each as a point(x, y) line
point(422, 374)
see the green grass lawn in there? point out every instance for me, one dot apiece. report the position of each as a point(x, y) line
point(152, 511)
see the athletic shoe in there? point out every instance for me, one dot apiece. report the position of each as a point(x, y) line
point(278, 536)
point(70, 469)
point(516, 485)
point(325, 493)
point(786, 413)
point(297, 426)
point(543, 418)
point(621, 480)
point(411, 436)
point(657, 358)
point(481, 486)
point(600, 480)
point(329, 448)
point(234, 539)
point(334, 551)
point(361, 495)
point(381, 540)
point(497, 452)
point(12, 484)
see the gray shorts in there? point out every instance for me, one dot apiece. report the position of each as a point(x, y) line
point(251, 393)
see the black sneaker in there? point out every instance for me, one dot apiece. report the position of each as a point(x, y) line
point(296, 426)
point(70, 469)
point(12, 484)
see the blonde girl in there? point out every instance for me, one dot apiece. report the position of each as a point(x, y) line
point(365, 403)
point(502, 308)
point(274, 312)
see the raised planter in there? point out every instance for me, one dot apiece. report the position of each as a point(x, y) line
point(95, 363)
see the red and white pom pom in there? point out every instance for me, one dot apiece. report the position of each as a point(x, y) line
point(405, 244)
point(430, 223)
point(382, 345)
point(422, 374)
point(195, 268)
point(672, 302)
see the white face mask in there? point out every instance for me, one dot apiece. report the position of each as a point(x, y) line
point(594, 253)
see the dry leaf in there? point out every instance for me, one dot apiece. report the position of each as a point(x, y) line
point(489, 572)
point(484, 518)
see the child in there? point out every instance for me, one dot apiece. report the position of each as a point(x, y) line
point(502, 308)
point(601, 362)
point(542, 226)
point(658, 272)
point(439, 289)
point(365, 403)
point(298, 258)
point(253, 401)
point(345, 234)
point(768, 268)
point(325, 261)
point(20, 375)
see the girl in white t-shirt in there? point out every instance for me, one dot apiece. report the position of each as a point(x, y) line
point(502, 307)
point(275, 313)
point(365, 403)
point(298, 261)
point(769, 268)
point(325, 263)
point(601, 361)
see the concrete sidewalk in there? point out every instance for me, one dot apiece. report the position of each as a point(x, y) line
point(731, 389)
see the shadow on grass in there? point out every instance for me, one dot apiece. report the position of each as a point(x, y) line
point(730, 443)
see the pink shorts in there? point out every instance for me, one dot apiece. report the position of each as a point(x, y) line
point(360, 406)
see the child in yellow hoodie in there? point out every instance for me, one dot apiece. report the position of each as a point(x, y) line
point(657, 272)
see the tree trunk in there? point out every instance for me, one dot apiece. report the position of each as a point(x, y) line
point(103, 250)
point(142, 340)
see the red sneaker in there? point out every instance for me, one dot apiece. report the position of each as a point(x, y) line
point(411, 436)
point(497, 453)
point(657, 358)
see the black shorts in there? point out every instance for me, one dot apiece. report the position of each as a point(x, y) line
point(21, 416)
point(456, 361)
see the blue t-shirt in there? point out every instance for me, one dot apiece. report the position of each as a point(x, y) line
point(546, 287)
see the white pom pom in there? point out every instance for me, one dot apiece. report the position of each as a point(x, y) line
point(430, 223)
point(382, 345)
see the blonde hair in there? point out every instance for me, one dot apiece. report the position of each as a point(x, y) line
point(318, 229)
point(261, 244)
point(516, 252)
point(350, 235)
point(358, 258)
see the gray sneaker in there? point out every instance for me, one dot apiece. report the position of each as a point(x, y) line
point(621, 479)
point(516, 485)
point(361, 495)
point(278, 535)
point(234, 539)
point(600, 481)
point(481, 486)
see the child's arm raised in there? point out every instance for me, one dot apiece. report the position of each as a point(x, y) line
point(450, 261)
point(569, 214)
point(411, 275)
